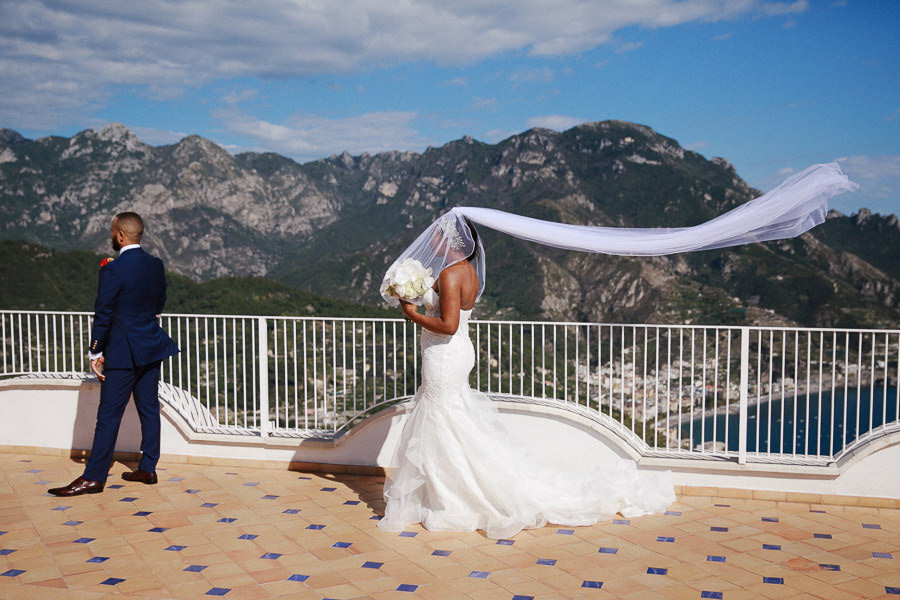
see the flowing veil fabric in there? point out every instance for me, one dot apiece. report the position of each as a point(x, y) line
point(797, 205)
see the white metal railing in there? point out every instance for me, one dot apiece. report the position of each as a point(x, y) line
point(744, 393)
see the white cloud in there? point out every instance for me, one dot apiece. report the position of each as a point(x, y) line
point(61, 60)
point(306, 137)
point(554, 122)
point(158, 137)
point(622, 49)
point(696, 146)
point(532, 76)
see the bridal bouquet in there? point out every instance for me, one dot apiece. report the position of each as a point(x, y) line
point(408, 280)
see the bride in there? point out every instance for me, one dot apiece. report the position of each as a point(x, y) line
point(456, 466)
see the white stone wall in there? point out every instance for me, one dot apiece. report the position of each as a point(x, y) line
point(61, 413)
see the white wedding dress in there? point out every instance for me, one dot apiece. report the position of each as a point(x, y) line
point(457, 467)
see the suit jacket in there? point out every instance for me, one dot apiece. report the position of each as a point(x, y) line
point(130, 293)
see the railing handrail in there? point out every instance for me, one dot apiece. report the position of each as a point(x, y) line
point(681, 389)
point(480, 321)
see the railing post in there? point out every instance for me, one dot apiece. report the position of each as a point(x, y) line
point(263, 345)
point(744, 389)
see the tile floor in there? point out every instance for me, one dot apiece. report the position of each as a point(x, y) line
point(248, 533)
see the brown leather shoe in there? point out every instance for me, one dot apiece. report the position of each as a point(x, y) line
point(140, 477)
point(78, 487)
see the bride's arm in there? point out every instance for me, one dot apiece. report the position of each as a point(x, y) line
point(450, 283)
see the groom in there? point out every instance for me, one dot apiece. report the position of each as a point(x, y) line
point(127, 347)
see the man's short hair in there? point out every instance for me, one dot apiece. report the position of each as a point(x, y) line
point(131, 223)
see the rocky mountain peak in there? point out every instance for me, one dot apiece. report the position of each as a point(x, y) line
point(10, 137)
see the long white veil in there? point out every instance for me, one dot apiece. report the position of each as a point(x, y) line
point(794, 207)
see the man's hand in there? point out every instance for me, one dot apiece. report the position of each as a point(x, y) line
point(97, 368)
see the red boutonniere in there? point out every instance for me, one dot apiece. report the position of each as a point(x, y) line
point(106, 261)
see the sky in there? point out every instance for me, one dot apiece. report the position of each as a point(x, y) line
point(772, 86)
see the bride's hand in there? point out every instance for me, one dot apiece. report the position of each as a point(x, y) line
point(407, 308)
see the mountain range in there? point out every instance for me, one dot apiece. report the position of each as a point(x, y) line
point(333, 226)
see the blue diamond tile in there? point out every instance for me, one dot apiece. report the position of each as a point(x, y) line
point(42, 483)
point(226, 520)
point(830, 567)
point(112, 581)
point(83, 540)
point(304, 477)
point(157, 529)
point(505, 542)
point(142, 513)
point(882, 555)
point(218, 591)
point(657, 571)
point(719, 529)
point(174, 548)
point(375, 518)
point(407, 587)
point(621, 522)
point(673, 513)
point(408, 534)
point(97, 559)
point(192, 491)
point(547, 561)
point(608, 550)
point(776, 580)
point(711, 558)
point(34, 470)
point(705, 594)
point(371, 565)
point(328, 489)
point(771, 547)
point(770, 519)
point(521, 597)
point(251, 484)
point(812, 510)
point(871, 526)
point(341, 544)
point(129, 499)
point(176, 478)
point(891, 590)
point(269, 497)
point(441, 553)
point(351, 502)
point(297, 577)
point(61, 508)
point(3, 532)
point(290, 511)
point(73, 523)
point(248, 536)
point(592, 584)
point(115, 486)
point(195, 568)
point(316, 527)
point(209, 504)
point(12, 573)
point(565, 531)
point(822, 536)
point(479, 574)
point(662, 538)
point(6, 551)
point(271, 556)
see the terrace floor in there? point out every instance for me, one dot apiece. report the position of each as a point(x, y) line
point(246, 533)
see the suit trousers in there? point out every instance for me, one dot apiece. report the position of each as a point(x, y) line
point(120, 384)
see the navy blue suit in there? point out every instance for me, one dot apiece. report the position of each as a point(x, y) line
point(130, 293)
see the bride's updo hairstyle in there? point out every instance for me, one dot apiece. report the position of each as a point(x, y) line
point(447, 241)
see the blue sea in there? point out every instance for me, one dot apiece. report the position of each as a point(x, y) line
point(817, 432)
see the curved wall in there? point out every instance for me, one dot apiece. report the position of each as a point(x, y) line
point(47, 415)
